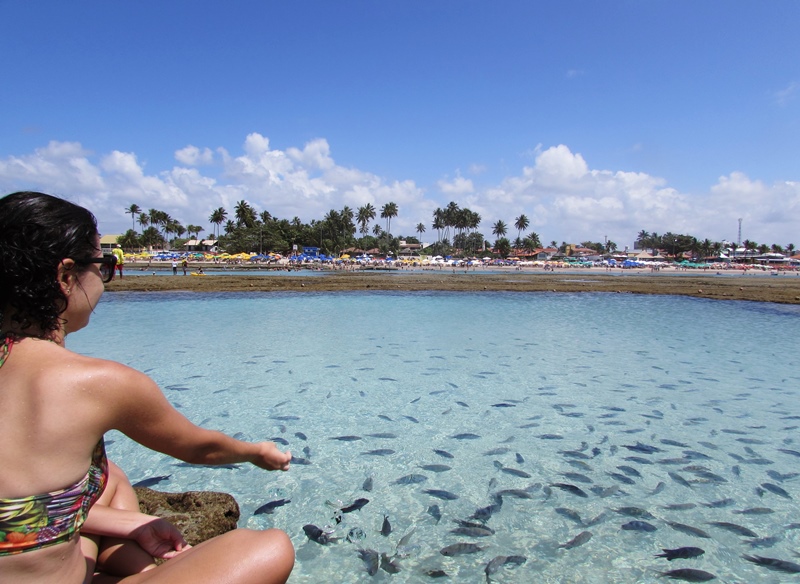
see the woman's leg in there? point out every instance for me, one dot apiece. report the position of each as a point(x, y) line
point(241, 556)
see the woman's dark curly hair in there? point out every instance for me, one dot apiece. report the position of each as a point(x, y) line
point(37, 232)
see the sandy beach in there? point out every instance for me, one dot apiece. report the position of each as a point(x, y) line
point(753, 286)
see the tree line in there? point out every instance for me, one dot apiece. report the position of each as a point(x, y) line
point(457, 233)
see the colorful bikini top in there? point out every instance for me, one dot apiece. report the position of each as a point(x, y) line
point(38, 521)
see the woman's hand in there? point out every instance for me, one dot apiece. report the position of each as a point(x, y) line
point(159, 538)
point(270, 458)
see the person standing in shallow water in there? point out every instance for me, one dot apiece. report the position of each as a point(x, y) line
point(67, 514)
point(120, 255)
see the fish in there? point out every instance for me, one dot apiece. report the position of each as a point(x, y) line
point(515, 472)
point(149, 482)
point(382, 435)
point(570, 489)
point(776, 490)
point(345, 438)
point(389, 565)
point(734, 528)
point(721, 503)
point(301, 436)
point(410, 479)
point(576, 476)
point(630, 471)
point(268, 508)
point(622, 478)
point(679, 479)
point(689, 575)
point(379, 452)
point(386, 527)
point(302, 461)
point(635, 512)
point(435, 512)
point(638, 526)
point(688, 529)
point(569, 514)
point(755, 511)
point(473, 531)
point(441, 494)
point(279, 440)
point(578, 540)
point(412, 419)
point(643, 448)
point(443, 453)
point(682, 553)
point(458, 549)
point(465, 436)
point(496, 451)
point(436, 467)
point(679, 506)
point(367, 485)
point(774, 564)
point(371, 560)
point(355, 506)
point(314, 533)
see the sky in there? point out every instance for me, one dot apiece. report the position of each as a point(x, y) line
point(596, 120)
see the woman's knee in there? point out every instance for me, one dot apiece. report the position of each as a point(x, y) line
point(272, 549)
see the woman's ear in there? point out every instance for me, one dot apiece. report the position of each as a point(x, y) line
point(66, 275)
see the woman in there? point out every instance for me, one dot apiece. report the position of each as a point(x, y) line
point(67, 515)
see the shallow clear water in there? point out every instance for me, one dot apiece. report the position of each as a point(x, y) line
point(564, 388)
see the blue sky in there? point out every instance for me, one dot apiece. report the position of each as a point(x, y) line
point(594, 119)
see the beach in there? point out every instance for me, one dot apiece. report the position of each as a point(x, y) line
point(783, 288)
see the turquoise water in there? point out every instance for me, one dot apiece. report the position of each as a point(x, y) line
point(641, 402)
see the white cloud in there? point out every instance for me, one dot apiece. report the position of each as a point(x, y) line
point(787, 94)
point(193, 156)
point(564, 198)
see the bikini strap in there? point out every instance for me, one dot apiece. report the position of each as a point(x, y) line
point(5, 347)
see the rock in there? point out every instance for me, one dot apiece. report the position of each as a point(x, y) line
point(199, 515)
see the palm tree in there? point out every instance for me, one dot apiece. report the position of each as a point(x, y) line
point(365, 214)
point(245, 214)
point(144, 220)
point(789, 249)
point(420, 230)
point(643, 239)
point(438, 223)
point(388, 211)
point(218, 217)
point(499, 228)
point(134, 210)
point(502, 247)
point(193, 230)
point(521, 223)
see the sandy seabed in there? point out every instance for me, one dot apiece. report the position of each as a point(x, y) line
point(782, 288)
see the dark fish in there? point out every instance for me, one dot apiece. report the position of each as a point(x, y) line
point(302, 461)
point(774, 564)
point(473, 531)
point(268, 508)
point(503, 405)
point(458, 549)
point(436, 467)
point(410, 479)
point(776, 490)
point(643, 448)
point(367, 486)
point(440, 494)
point(371, 559)
point(301, 435)
point(279, 440)
point(516, 472)
point(638, 526)
point(755, 511)
point(389, 565)
point(569, 514)
point(436, 574)
point(688, 529)
point(571, 489)
point(435, 512)
point(635, 512)
point(673, 443)
point(152, 481)
point(383, 435)
point(679, 479)
point(679, 506)
point(465, 436)
point(734, 528)
point(519, 459)
point(314, 533)
point(345, 438)
point(496, 451)
point(386, 527)
point(379, 452)
point(576, 476)
point(412, 419)
point(622, 478)
point(578, 540)
point(355, 506)
point(493, 566)
point(630, 471)
point(689, 575)
point(681, 553)
point(517, 493)
point(443, 453)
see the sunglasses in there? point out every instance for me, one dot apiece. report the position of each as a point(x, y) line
point(107, 264)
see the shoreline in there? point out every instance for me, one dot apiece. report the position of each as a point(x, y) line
point(756, 287)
